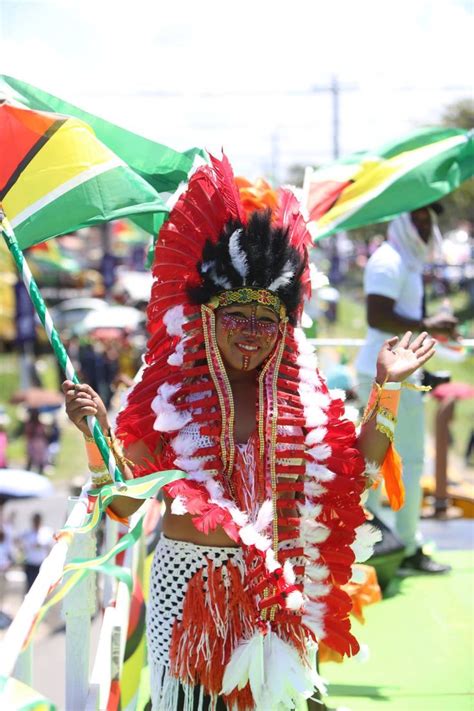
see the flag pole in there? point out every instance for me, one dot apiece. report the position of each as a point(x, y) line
point(54, 338)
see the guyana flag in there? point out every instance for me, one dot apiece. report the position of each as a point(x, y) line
point(398, 177)
point(162, 167)
point(55, 176)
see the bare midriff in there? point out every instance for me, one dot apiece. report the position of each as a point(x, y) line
point(181, 528)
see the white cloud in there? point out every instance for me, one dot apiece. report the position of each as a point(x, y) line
point(396, 60)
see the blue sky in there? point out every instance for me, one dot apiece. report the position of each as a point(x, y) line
point(242, 75)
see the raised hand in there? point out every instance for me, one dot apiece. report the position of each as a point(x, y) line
point(398, 358)
point(82, 401)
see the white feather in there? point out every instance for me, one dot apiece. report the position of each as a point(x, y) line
point(316, 572)
point(184, 445)
point(294, 600)
point(174, 320)
point(289, 573)
point(313, 489)
point(366, 538)
point(316, 436)
point(285, 277)
point(171, 421)
point(317, 589)
point(176, 358)
point(337, 394)
point(238, 256)
point(264, 516)
point(315, 417)
point(359, 575)
point(188, 464)
point(178, 506)
point(320, 452)
point(308, 510)
point(271, 562)
point(319, 472)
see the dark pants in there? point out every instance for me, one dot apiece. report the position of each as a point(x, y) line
point(31, 571)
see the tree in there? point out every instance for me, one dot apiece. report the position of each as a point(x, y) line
point(459, 205)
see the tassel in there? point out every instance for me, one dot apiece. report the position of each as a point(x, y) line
point(392, 474)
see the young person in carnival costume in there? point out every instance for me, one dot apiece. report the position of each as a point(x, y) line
point(262, 532)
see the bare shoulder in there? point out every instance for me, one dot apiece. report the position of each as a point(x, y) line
point(139, 453)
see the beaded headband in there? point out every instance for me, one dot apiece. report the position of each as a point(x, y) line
point(247, 295)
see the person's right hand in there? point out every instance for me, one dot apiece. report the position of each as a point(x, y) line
point(442, 324)
point(82, 401)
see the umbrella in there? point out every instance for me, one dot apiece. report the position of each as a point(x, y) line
point(37, 398)
point(460, 391)
point(113, 317)
point(23, 484)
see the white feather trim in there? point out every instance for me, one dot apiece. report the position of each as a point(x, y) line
point(304, 346)
point(310, 511)
point(309, 376)
point(188, 464)
point(315, 417)
point(289, 573)
point(313, 617)
point(316, 572)
point(366, 538)
point(313, 489)
point(359, 575)
point(271, 562)
point(174, 320)
point(294, 600)
point(313, 532)
point(176, 358)
point(278, 677)
point(320, 452)
point(316, 436)
point(171, 421)
point(184, 445)
point(178, 506)
point(237, 255)
point(285, 277)
point(251, 537)
point(264, 516)
point(319, 472)
point(316, 589)
point(337, 394)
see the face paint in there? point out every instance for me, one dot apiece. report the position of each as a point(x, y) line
point(246, 363)
point(233, 323)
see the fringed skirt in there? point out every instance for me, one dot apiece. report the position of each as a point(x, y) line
point(190, 639)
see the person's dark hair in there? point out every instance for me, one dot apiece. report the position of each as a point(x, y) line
point(256, 255)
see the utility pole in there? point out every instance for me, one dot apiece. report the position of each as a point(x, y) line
point(335, 117)
point(334, 88)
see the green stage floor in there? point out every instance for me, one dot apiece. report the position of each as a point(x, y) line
point(421, 640)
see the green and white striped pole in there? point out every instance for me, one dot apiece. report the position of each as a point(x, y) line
point(55, 340)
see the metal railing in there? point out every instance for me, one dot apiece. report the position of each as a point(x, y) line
point(82, 692)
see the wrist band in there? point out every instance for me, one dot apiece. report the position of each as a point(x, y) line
point(384, 397)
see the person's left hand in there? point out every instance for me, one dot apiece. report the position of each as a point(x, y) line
point(398, 358)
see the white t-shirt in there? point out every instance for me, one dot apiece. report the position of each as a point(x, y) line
point(37, 544)
point(387, 275)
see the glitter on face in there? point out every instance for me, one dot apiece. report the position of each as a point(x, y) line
point(255, 326)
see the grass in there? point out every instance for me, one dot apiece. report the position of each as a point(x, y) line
point(71, 459)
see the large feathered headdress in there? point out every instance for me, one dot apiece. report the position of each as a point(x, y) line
point(211, 243)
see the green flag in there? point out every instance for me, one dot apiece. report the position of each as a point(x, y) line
point(400, 176)
point(162, 167)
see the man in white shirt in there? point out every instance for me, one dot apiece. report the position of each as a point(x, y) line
point(35, 544)
point(393, 284)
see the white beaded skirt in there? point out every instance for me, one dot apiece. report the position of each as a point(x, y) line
point(174, 564)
